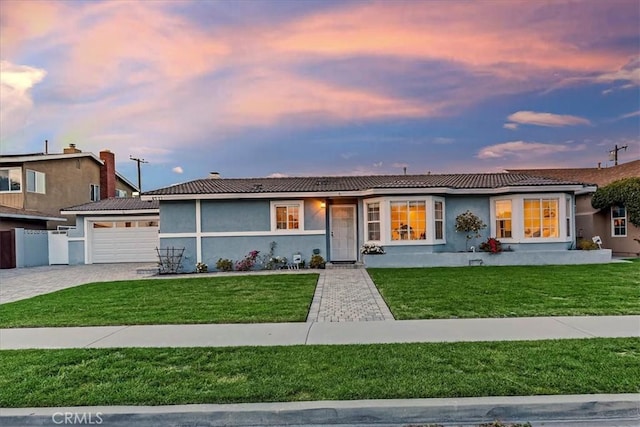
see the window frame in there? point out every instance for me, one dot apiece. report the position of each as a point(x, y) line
point(367, 221)
point(94, 192)
point(385, 220)
point(563, 200)
point(9, 170)
point(274, 217)
point(614, 218)
point(39, 179)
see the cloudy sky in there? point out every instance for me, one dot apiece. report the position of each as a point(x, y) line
point(284, 87)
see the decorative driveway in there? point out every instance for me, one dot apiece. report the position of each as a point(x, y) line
point(22, 283)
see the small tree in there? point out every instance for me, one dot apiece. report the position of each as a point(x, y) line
point(470, 224)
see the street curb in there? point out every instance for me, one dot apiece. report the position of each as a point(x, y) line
point(362, 412)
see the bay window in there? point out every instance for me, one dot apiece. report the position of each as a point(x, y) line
point(402, 220)
point(503, 219)
point(408, 220)
point(532, 218)
point(373, 221)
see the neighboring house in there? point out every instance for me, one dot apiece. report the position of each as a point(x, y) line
point(611, 224)
point(412, 216)
point(39, 185)
point(114, 230)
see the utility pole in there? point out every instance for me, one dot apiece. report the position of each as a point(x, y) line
point(613, 154)
point(139, 176)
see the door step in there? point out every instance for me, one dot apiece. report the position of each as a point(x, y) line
point(344, 265)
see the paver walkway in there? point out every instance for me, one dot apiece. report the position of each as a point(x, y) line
point(347, 295)
point(342, 295)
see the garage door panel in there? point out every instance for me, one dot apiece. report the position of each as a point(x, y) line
point(124, 244)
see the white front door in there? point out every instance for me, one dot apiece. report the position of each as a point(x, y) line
point(58, 247)
point(342, 224)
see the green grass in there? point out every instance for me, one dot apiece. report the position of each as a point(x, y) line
point(162, 376)
point(467, 292)
point(233, 299)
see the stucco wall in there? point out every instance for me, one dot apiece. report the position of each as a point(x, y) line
point(76, 252)
point(189, 256)
point(177, 217)
point(32, 248)
point(235, 215)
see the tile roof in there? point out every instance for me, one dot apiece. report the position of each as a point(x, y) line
point(354, 183)
point(598, 176)
point(116, 204)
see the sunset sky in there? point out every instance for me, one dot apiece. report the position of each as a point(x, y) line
point(286, 88)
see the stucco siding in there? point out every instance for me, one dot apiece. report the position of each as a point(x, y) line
point(178, 217)
point(236, 248)
point(189, 259)
point(314, 215)
point(454, 206)
point(240, 215)
point(76, 252)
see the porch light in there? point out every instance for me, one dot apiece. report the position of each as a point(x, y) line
point(323, 205)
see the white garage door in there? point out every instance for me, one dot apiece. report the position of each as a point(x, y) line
point(124, 241)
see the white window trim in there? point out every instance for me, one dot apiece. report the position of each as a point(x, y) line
point(39, 179)
point(385, 220)
point(274, 219)
point(517, 218)
point(22, 186)
point(366, 219)
point(433, 220)
point(626, 223)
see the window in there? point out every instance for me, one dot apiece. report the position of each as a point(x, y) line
point(503, 219)
point(438, 218)
point(287, 216)
point(373, 221)
point(35, 182)
point(121, 193)
point(95, 193)
point(409, 220)
point(618, 221)
point(540, 218)
point(533, 218)
point(11, 180)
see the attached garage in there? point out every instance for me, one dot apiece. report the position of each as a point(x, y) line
point(124, 241)
point(114, 231)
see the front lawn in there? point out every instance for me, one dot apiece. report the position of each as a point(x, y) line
point(232, 299)
point(467, 292)
point(165, 376)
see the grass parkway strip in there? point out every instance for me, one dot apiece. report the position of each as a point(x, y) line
point(231, 299)
point(164, 376)
point(523, 291)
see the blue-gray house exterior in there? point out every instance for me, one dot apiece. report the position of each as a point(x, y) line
point(411, 216)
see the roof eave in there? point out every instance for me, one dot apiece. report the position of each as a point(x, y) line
point(112, 212)
point(26, 216)
point(369, 192)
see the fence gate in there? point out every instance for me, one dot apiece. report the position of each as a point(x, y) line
point(58, 247)
point(8, 249)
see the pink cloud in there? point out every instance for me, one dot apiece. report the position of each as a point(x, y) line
point(545, 119)
point(524, 149)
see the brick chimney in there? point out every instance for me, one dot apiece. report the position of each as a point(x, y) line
point(71, 149)
point(107, 175)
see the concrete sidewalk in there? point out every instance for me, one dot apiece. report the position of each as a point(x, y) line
point(309, 333)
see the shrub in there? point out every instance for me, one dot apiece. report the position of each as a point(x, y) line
point(201, 267)
point(224, 265)
point(248, 262)
point(492, 245)
point(587, 245)
point(316, 261)
point(470, 224)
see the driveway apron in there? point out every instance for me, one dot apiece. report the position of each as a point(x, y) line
point(21, 283)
